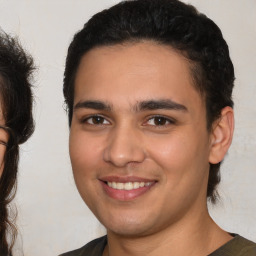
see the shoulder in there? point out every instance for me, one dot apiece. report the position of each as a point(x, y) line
point(238, 246)
point(93, 248)
point(248, 248)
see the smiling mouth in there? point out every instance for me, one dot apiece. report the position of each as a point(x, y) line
point(126, 188)
point(128, 185)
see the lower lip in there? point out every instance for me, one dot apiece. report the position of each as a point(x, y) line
point(125, 195)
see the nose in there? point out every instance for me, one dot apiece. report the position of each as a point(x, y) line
point(124, 146)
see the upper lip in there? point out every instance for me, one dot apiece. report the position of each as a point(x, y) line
point(124, 179)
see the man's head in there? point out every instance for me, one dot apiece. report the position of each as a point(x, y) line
point(167, 23)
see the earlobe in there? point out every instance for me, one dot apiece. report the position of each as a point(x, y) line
point(222, 134)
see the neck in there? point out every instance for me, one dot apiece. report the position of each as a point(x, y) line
point(194, 236)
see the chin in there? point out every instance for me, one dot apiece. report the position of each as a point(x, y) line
point(127, 226)
point(134, 231)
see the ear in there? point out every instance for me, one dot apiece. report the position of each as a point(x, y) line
point(221, 137)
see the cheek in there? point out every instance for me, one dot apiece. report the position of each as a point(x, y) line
point(86, 157)
point(171, 150)
point(180, 154)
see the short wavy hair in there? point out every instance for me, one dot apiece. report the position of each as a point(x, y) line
point(166, 22)
point(16, 67)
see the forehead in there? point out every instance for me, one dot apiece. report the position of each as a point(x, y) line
point(133, 72)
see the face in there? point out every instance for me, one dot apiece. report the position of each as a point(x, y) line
point(139, 146)
point(3, 141)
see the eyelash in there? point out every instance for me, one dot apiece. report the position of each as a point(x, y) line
point(162, 118)
point(86, 120)
point(167, 121)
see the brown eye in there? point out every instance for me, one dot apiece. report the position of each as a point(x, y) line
point(159, 121)
point(96, 120)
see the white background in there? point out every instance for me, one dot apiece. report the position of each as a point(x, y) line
point(52, 217)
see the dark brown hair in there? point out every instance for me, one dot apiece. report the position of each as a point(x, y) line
point(16, 67)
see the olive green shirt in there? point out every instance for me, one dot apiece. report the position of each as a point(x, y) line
point(238, 246)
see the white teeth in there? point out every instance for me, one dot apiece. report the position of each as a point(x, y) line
point(120, 185)
point(136, 185)
point(128, 185)
point(114, 184)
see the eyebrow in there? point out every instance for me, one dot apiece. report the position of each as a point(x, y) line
point(159, 104)
point(93, 104)
point(140, 106)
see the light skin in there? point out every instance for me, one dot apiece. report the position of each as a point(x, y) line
point(139, 121)
point(3, 141)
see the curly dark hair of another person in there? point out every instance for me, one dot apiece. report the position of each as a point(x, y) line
point(16, 68)
point(165, 22)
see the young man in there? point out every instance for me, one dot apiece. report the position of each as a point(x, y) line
point(148, 86)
